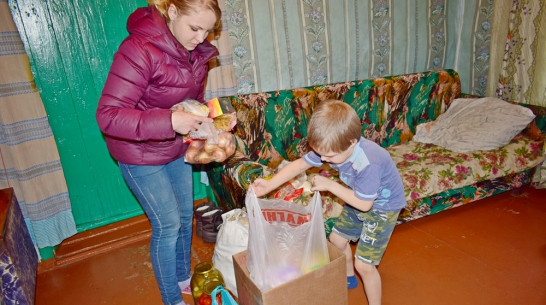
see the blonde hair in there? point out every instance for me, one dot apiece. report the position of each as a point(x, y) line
point(333, 126)
point(187, 7)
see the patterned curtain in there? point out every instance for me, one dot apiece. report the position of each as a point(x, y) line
point(282, 44)
point(29, 157)
point(518, 61)
point(221, 80)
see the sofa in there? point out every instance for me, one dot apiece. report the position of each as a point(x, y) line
point(272, 127)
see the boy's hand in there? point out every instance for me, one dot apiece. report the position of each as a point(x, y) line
point(261, 187)
point(321, 183)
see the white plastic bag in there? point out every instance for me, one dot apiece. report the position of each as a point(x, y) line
point(232, 238)
point(285, 240)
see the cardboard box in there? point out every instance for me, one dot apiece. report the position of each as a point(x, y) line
point(327, 285)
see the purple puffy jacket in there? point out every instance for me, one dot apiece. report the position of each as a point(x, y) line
point(150, 73)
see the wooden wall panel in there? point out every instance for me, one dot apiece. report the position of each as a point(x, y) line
point(70, 46)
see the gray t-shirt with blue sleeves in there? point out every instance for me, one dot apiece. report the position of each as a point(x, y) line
point(371, 173)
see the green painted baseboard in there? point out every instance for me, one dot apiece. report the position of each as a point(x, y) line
point(200, 191)
point(47, 253)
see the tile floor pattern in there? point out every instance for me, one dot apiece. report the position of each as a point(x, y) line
point(487, 252)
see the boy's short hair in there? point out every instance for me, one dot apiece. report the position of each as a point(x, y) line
point(333, 125)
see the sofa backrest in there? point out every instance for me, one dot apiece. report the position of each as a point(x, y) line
point(272, 126)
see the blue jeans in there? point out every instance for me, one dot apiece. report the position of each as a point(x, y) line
point(165, 192)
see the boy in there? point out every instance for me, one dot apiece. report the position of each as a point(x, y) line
point(374, 196)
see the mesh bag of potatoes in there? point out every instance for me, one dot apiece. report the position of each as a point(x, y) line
point(212, 142)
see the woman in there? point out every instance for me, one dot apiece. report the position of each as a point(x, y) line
point(162, 62)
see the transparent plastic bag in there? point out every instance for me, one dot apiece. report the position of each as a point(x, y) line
point(285, 240)
point(207, 130)
point(206, 151)
point(192, 106)
point(208, 143)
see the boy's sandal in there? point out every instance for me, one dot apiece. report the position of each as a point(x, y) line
point(352, 282)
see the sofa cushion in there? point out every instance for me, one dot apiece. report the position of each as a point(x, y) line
point(427, 169)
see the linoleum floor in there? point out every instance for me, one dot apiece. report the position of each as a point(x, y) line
point(492, 251)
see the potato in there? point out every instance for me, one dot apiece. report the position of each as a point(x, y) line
point(225, 138)
point(197, 144)
point(210, 147)
point(191, 154)
point(204, 157)
point(230, 149)
point(219, 155)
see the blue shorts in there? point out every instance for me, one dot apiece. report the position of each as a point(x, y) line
point(373, 229)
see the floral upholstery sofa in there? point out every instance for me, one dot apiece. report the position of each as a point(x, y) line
point(272, 127)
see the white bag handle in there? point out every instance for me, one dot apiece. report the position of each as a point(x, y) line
point(256, 232)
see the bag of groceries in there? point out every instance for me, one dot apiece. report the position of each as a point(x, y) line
point(285, 241)
point(212, 141)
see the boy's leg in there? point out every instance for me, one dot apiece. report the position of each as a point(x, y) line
point(371, 281)
point(343, 245)
point(348, 227)
point(376, 233)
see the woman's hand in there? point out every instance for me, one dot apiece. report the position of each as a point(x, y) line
point(184, 122)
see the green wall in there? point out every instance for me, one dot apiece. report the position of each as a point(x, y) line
point(70, 45)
